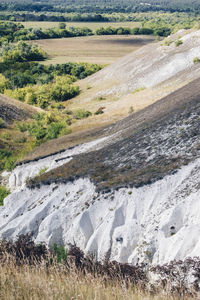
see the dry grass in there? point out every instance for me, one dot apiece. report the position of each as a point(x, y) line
point(37, 282)
point(93, 49)
point(91, 25)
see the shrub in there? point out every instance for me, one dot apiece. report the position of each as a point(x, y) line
point(22, 126)
point(54, 130)
point(21, 52)
point(10, 163)
point(167, 43)
point(65, 131)
point(63, 92)
point(81, 114)
point(4, 192)
point(23, 250)
point(196, 60)
point(7, 160)
point(4, 83)
point(60, 253)
point(178, 43)
point(58, 106)
point(62, 25)
point(2, 123)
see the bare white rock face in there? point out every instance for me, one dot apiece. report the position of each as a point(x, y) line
point(155, 223)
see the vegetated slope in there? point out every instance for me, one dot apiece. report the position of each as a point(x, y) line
point(132, 196)
point(13, 143)
point(133, 83)
point(14, 110)
point(141, 153)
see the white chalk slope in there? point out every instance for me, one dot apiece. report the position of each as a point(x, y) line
point(151, 65)
point(155, 223)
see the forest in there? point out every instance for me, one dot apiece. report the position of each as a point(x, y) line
point(101, 6)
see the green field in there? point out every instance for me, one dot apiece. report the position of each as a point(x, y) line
point(91, 25)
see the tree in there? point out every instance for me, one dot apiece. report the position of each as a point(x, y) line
point(62, 25)
point(21, 52)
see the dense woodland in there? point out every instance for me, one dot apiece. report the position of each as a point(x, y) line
point(101, 6)
point(99, 11)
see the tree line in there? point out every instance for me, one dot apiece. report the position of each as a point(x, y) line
point(101, 6)
point(14, 32)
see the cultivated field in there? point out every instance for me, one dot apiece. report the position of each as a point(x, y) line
point(93, 49)
point(91, 25)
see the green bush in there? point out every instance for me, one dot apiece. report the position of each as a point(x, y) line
point(21, 52)
point(60, 253)
point(22, 126)
point(46, 126)
point(7, 161)
point(42, 95)
point(62, 25)
point(81, 114)
point(4, 83)
point(10, 163)
point(4, 192)
point(54, 130)
point(178, 43)
point(196, 60)
point(167, 43)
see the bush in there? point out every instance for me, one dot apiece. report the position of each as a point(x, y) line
point(167, 43)
point(4, 192)
point(2, 123)
point(196, 60)
point(60, 253)
point(81, 114)
point(7, 161)
point(21, 52)
point(23, 250)
point(4, 83)
point(46, 126)
point(42, 95)
point(22, 126)
point(178, 43)
point(54, 130)
point(62, 25)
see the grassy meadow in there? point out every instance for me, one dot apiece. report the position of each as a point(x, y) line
point(93, 49)
point(91, 25)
